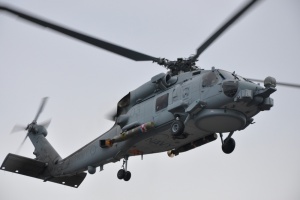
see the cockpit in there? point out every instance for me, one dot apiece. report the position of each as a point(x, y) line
point(225, 75)
point(212, 77)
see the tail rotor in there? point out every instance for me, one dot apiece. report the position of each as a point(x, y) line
point(32, 127)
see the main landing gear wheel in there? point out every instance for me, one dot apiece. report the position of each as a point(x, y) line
point(228, 144)
point(123, 173)
point(127, 176)
point(177, 128)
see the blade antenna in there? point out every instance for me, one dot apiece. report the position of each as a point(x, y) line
point(213, 37)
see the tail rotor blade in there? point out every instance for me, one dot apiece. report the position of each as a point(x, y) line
point(45, 123)
point(41, 108)
point(18, 128)
point(19, 148)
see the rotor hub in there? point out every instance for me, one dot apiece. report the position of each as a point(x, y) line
point(178, 66)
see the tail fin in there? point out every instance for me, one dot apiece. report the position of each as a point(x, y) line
point(43, 150)
point(44, 166)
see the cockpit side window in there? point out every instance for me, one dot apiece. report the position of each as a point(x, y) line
point(162, 102)
point(209, 79)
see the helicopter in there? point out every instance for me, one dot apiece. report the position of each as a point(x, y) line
point(188, 107)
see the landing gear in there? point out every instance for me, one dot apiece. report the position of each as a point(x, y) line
point(123, 173)
point(177, 128)
point(127, 176)
point(228, 144)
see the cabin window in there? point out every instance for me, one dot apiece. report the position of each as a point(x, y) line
point(162, 102)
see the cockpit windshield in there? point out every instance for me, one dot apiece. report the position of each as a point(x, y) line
point(231, 76)
point(226, 75)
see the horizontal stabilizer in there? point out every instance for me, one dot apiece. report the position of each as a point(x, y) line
point(33, 168)
point(72, 181)
point(22, 165)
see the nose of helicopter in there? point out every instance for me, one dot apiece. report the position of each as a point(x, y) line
point(238, 87)
point(251, 93)
point(246, 99)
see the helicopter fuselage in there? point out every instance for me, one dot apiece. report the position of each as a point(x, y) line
point(173, 112)
point(206, 101)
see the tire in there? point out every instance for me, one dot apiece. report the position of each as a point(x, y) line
point(127, 176)
point(228, 146)
point(177, 128)
point(121, 174)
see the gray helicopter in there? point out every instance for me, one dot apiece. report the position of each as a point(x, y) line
point(173, 112)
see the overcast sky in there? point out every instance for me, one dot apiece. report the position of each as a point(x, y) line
point(84, 83)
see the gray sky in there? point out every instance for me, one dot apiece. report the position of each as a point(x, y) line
point(84, 83)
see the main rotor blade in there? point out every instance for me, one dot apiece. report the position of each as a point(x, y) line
point(279, 83)
point(134, 55)
point(41, 108)
point(213, 37)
